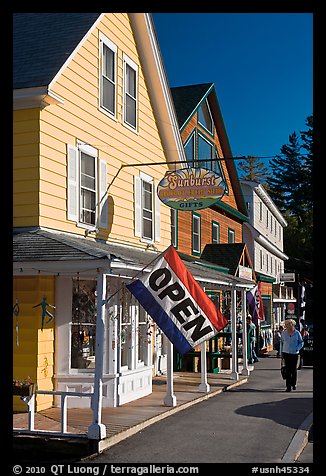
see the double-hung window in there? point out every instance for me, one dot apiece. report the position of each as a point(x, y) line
point(87, 183)
point(196, 233)
point(174, 227)
point(108, 76)
point(130, 93)
point(215, 232)
point(87, 209)
point(147, 209)
point(231, 236)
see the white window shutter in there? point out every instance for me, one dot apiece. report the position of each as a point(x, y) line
point(157, 217)
point(103, 195)
point(72, 196)
point(137, 205)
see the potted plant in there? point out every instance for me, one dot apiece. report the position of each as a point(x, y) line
point(23, 388)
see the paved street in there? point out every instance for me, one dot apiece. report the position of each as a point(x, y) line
point(253, 423)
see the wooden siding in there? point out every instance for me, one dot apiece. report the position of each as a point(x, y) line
point(41, 138)
point(34, 355)
point(229, 198)
point(26, 167)
point(207, 216)
point(80, 118)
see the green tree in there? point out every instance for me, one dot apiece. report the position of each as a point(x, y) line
point(290, 186)
point(251, 168)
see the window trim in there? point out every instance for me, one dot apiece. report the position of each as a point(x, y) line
point(231, 232)
point(200, 165)
point(91, 151)
point(103, 40)
point(176, 217)
point(216, 224)
point(134, 66)
point(191, 137)
point(195, 217)
point(205, 101)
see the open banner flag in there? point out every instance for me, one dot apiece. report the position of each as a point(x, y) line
point(255, 302)
point(177, 303)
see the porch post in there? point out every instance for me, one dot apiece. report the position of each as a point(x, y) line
point(204, 385)
point(97, 430)
point(245, 369)
point(234, 371)
point(170, 399)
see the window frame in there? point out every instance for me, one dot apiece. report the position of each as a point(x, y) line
point(127, 62)
point(231, 232)
point(192, 137)
point(92, 152)
point(174, 227)
point(196, 217)
point(200, 108)
point(216, 225)
point(104, 41)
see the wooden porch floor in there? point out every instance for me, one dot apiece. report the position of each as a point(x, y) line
point(129, 418)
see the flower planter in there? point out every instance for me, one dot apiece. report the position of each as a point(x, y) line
point(24, 390)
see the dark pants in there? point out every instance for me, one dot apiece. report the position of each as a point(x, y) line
point(291, 361)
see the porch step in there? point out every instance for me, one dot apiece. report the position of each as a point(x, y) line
point(29, 448)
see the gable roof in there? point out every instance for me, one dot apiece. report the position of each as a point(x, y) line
point(42, 42)
point(227, 255)
point(187, 99)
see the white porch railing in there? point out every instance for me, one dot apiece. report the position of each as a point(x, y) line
point(30, 402)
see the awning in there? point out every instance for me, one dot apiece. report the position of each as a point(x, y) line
point(44, 252)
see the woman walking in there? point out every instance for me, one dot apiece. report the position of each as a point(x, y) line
point(291, 343)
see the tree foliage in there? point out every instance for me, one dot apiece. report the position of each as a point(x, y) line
point(290, 186)
point(253, 169)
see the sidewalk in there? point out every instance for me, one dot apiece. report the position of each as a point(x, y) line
point(120, 422)
point(131, 418)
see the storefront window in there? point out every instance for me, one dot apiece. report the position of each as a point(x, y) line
point(83, 326)
point(126, 328)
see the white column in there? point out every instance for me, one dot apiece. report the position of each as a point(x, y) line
point(204, 385)
point(97, 430)
point(245, 369)
point(234, 367)
point(170, 399)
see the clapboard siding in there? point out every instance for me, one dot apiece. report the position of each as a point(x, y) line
point(79, 118)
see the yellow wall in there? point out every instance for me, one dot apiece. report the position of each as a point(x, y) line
point(79, 118)
point(26, 167)
point(33, 357)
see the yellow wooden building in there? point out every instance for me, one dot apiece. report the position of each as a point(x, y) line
point(91, 107)
point(95, 131)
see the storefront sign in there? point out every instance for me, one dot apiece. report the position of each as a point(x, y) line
point(245, 272)
point(190, 189)
point(287, 277)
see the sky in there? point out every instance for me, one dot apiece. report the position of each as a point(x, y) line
point(261, 65)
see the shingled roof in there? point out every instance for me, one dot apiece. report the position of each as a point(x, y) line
point(187, 98)
point(227, 255)
point(42, 42)
point(43, 246)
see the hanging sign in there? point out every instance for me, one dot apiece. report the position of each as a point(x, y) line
point(190, 189)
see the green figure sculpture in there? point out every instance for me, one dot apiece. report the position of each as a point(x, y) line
point(45, 312)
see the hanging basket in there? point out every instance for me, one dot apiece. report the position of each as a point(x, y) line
point(24, 390)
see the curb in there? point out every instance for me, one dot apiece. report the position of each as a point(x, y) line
point(115, 439)
point(299, 441)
